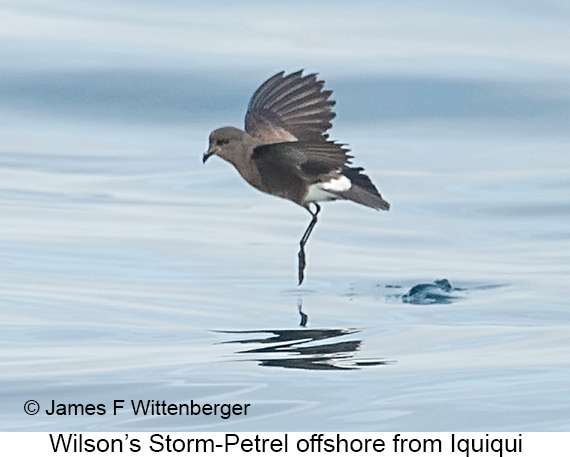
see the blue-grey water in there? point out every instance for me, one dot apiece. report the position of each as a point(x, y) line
point(128, 270)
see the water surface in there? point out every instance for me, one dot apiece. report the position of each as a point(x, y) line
point(130, 271)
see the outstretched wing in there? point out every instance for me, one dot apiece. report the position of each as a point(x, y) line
point(290, 108)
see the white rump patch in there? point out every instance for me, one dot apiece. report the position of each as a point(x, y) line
point(340, 184)
point(322, 191)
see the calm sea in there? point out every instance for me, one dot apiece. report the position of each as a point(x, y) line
point(130, 271)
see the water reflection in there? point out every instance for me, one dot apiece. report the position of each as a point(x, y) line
point(297, 349)
point(304, 317)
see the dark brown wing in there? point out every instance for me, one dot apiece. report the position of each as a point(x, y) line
point(290, 108)
point(287, 168)
point(310, 159)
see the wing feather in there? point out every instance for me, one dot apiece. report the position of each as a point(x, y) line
point(289, 108)
point(287, 168)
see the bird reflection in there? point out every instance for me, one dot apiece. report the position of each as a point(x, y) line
point(304, 317)
point(297, 349)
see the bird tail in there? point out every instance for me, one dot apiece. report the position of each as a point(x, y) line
point(362, 190)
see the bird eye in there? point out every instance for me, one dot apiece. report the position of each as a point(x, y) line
point(222, 141)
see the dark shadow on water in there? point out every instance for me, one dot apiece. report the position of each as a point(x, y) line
point(299, 349)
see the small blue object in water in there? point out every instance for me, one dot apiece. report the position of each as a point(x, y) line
point(438, 292)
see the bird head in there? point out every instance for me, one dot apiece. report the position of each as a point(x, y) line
point(225, 142)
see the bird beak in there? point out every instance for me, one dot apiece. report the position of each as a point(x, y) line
point(207, 155)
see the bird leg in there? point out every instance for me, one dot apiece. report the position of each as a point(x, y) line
point(303, 241)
